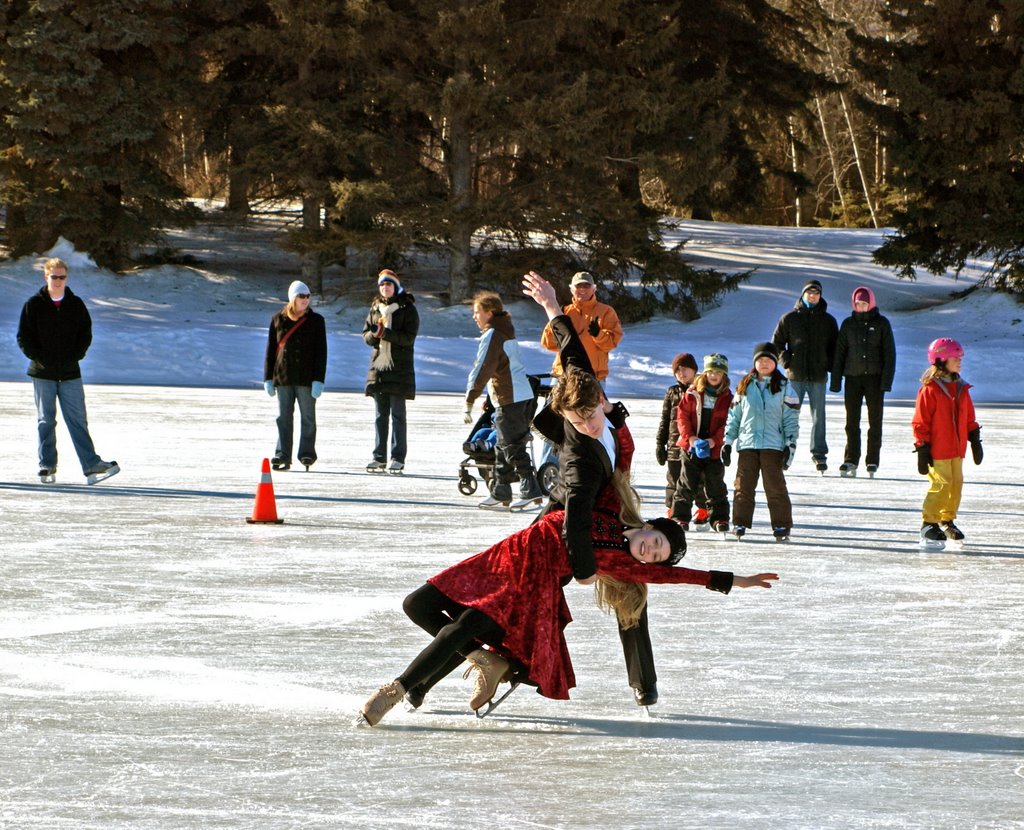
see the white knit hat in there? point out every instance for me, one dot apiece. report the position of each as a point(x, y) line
point(296, 288)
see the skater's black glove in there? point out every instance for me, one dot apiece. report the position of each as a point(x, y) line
point(727, 454)
point(977, 453)
point(924, 458)
point(662, 455)
point(787, 456)
point(595, 327)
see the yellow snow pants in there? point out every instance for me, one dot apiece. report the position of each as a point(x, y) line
point(945, 486)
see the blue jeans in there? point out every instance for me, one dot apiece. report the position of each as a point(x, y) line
point(286, 398)
point(815, 392)
point(71, 394)
point(390, 409)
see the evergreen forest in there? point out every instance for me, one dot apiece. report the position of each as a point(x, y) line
point(492, 135)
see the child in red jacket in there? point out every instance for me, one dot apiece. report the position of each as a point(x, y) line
point(701, 417)
point(943, 424)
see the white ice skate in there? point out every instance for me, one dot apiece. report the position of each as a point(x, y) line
point(101, 472)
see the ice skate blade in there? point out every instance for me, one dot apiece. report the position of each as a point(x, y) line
point(360, 722)
point(98, 477)
point(928, 545)
point(493, 704)
point(524, 505)
point(849, 474)
point(50, 479)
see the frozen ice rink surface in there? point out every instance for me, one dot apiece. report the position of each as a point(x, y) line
point(165, 665)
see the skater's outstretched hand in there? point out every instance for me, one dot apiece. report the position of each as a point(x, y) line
point(542, 292)
point(755, 581)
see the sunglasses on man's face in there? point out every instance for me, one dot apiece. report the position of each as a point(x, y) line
point(57, 276)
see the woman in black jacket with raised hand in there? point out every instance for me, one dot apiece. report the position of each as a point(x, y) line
point(866, 360)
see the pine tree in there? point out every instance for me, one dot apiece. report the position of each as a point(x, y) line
point(953, 76)
point(88, 89)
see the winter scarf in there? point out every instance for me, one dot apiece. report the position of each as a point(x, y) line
point(383, 361)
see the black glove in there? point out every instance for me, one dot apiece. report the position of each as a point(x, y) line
point(974, 436)
point(594, 328)
point(787, 456)
point(662, 455)
point(924, 458)
point(727, 454)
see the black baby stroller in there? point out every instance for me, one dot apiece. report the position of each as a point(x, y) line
point(481, 454)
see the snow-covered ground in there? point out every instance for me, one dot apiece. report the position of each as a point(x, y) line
point(206, 325)
point(163, 664)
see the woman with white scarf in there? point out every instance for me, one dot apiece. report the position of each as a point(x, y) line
point(390, 330)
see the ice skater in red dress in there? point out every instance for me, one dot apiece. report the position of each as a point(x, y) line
point(505, 608)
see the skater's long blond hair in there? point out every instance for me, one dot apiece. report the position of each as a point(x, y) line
point(626, 599)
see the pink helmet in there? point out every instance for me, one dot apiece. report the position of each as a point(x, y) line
point(943, 349)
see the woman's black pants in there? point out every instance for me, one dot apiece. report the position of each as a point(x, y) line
point(457, 630)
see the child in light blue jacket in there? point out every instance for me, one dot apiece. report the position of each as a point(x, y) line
point(763, 425)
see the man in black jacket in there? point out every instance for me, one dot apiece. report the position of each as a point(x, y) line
point(54, 332)
point(587, 453)
point(806, 340)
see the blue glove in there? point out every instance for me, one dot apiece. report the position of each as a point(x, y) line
point(318, 389)
point(701, 448)
point(269, 386)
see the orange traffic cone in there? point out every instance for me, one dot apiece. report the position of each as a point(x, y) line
point(265, 510)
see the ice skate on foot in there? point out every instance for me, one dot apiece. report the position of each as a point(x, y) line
point(646, 697)
point(414, 698)
point(47, 475)
point(530, 494)
point(500, 497)
point(103, 470)
point(491, 705)
point(376, 466)
point(738, 531)
point(848, 470)
point(781, 534)
point(381, 702)
point(491, 669)
point(932, 537)
point(279, 462)
point(307, 462)
point(396, 468)
point(720, 527)
point(872, 469)
point(820, 465)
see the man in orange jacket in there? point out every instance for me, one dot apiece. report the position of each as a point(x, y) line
point(596, 323)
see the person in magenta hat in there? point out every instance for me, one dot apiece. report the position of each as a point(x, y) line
point(865, 362)
point(390, 330)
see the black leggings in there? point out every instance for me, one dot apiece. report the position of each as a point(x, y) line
point(457, 631)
